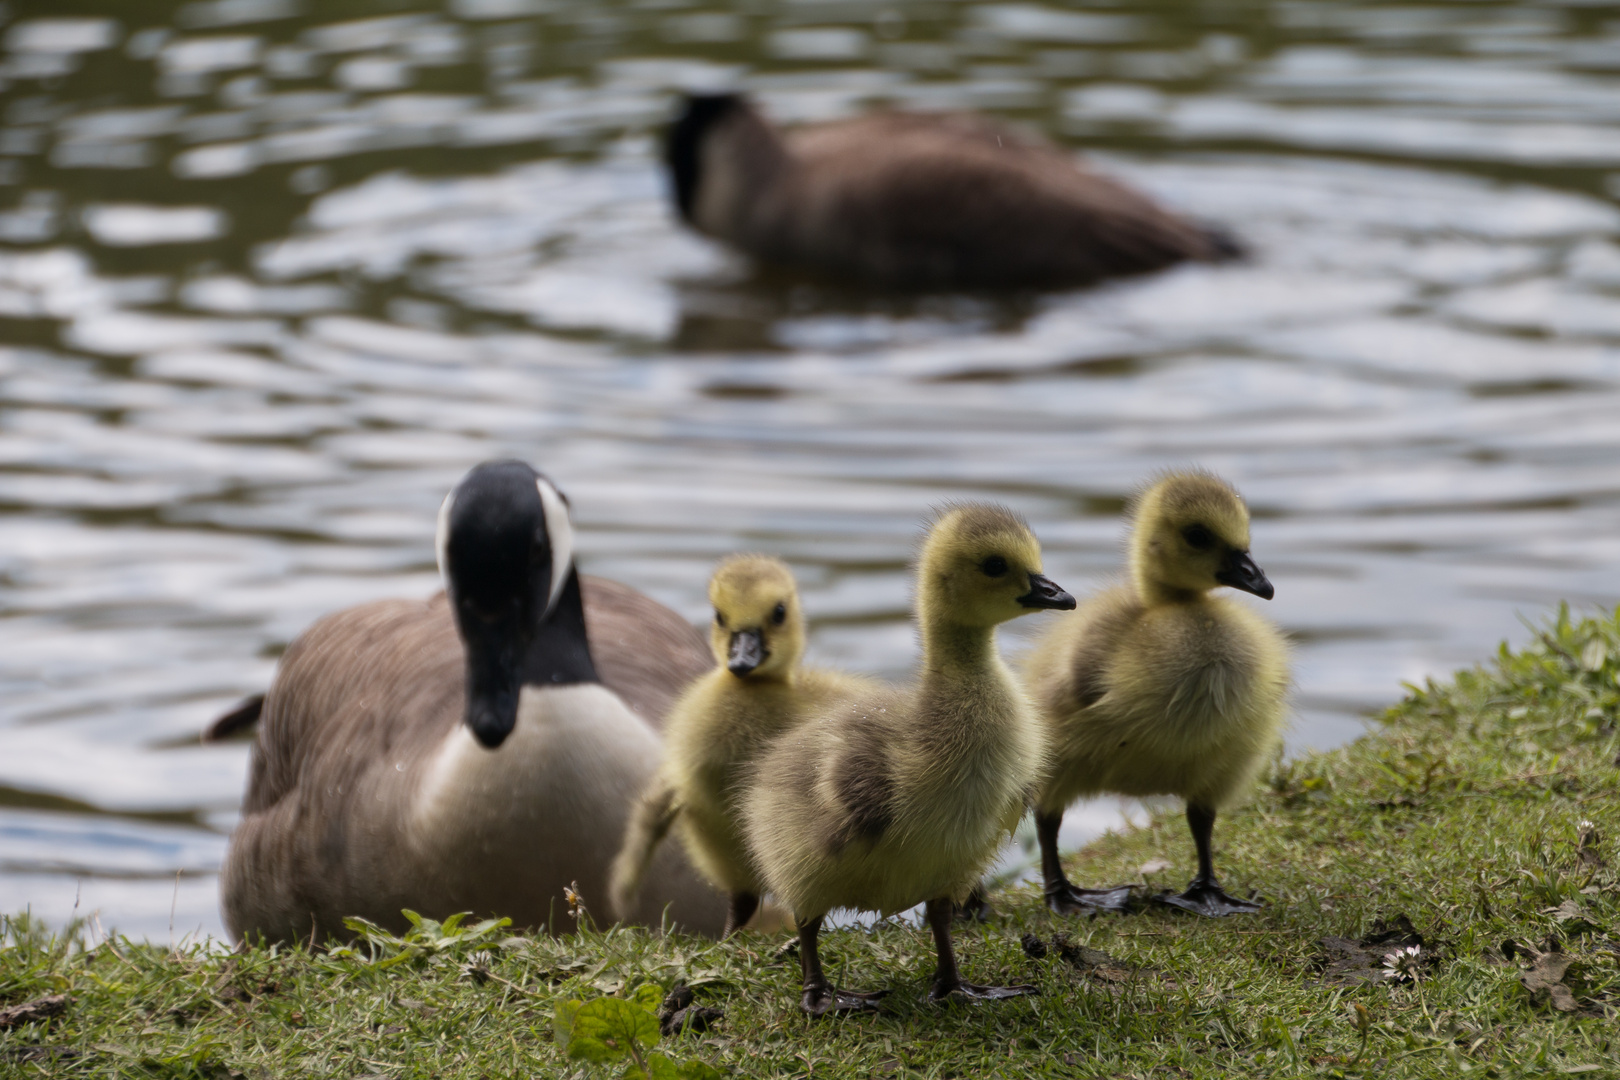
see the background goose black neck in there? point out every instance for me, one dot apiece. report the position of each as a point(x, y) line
point(683, 143)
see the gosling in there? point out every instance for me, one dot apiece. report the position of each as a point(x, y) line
point(717, 728)
point(916, 201)
point(887, 797)
point(1154, 687)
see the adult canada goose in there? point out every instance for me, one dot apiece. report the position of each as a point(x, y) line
point(397, 767)
point(889, 797)
point(1155, 687)
point(717, 728)
point(916, 201)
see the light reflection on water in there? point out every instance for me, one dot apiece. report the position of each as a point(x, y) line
point(269, 282)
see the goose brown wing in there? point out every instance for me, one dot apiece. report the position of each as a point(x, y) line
point(378, 680)
point(958, 203)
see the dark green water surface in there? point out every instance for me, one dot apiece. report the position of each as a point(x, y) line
point(273, 273)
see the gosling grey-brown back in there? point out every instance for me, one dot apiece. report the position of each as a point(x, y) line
point(458, 754)
point(1155, 687)
point(916, 201)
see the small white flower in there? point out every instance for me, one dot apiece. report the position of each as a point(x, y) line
point(1404, 965)
point(477, 966)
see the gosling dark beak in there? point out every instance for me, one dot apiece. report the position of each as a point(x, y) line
point(1240, 572)
point(747, 652)
point(1044, 593)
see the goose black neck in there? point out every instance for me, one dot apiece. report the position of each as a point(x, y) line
point(683, 144)
point(559, 653)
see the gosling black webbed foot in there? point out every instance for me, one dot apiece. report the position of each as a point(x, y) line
point(1208, 899)
point(973, 992)
point(824, 999)
point(1066, 899)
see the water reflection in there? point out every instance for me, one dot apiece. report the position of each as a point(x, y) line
point(274, 275)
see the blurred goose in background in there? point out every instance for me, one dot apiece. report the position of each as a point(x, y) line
point(719, 726)
point(916, 201)
point(398, 766)
point(891, 797)
point(1154, 687)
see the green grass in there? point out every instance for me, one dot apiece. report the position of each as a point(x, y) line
point(1463, 814)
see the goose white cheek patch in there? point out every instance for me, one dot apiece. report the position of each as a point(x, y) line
point(441, 538)
point(560, 535)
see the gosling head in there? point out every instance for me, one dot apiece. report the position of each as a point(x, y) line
point(699, 115)
point(506, 551)
point(981, 566)
point(1192, 534)
point(758, 630)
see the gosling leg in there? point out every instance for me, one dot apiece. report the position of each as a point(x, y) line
point(820, 997)
point(1204, 895)
point(948, 984)
point(742, 908)
point(1062, 897)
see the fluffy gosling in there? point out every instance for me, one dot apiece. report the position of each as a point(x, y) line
point(1155, 687)
point(890, 797)
point(756, 692)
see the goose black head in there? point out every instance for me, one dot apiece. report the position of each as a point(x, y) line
point(506, 550)
point(683, 142)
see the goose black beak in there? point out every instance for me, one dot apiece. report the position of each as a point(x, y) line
point(747, 652)
point(1240, 572)
point(1045, 593)
point(494, 680)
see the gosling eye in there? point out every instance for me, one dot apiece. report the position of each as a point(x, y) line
point(1199, 537)
point(994, 566)
point(720, 619)
point(779, 616)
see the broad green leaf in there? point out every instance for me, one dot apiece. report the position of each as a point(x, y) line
point(698, 1070)
point(589, 1048)
point(615, 1023)
point(650, 995)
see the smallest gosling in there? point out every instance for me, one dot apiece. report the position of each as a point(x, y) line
point(756, 692)
point(1155, 687)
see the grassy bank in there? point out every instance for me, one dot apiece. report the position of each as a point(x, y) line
point(1457, 828)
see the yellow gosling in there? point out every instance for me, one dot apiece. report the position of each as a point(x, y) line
point(891, 797)
point(756, 692)
point(1155, 687)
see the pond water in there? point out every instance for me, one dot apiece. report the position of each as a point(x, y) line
point(273, 273)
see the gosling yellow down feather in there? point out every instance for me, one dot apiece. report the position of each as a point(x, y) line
point(756, 692)
point(891, 797)
point(1155, 687)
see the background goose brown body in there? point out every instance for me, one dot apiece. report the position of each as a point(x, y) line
point(930, 200)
